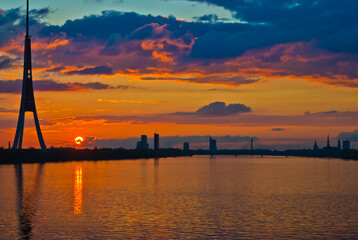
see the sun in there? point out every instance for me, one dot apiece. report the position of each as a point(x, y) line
point(78, 140)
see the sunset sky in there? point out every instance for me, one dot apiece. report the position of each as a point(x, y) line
point(282, 71)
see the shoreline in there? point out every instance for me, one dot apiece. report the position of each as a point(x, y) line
point(8, 156)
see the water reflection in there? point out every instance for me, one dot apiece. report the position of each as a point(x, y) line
point(26, 201)
point(156, 172)
point(77, 192)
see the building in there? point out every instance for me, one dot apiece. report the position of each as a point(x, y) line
point(346, 145)
point(339, 144)
point(212, 145)
point(315, 146)
point(143, 144)
point(186, 146)
point(330, 148)
point(156, 141)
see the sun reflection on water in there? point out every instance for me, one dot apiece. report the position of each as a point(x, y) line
point(77, 191)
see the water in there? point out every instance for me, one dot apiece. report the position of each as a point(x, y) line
point(181, 198)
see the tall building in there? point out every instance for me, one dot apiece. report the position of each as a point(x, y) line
point(156, 141)
point(212, 145)
point(346, 145)
point(252, 145)
point(143, 144)
point(328, 146)
point(315, 146)
point(27, 97)
point(339, 144)
point(186, 146)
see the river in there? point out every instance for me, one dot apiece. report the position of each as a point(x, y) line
point(199, 197)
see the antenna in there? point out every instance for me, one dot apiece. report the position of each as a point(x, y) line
point(27, 19)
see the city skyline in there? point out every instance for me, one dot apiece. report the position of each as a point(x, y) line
point(122, 73)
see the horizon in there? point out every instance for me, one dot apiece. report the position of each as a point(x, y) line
point(220, 70)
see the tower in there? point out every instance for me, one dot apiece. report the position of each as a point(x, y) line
point(315, 146)
point(27, 97)
point(339, 144)
point(186, 146)
point(328, 146)
point(212, 145)
point(143, 144)
point(156, 141)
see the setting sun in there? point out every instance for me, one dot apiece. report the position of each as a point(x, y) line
point(78, 140)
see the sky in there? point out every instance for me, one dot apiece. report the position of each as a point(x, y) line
point(284, 72)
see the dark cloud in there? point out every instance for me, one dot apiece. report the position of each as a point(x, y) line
point(252, 120)
point(351, 136)
point(15, 86)
point(329, 21)
point(13, 21)
point(278, 129)
point(7, 110)
point(219, 109)
point(5, 62)
point(229, 80)
point(99, 70)
point(210, 18)
point(313, 39)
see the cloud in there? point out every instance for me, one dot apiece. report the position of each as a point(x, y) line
point(99, 70)
point(278, 129)
point(15, 86)
point(324, 119)
point(211, 18)
point(351, 136)
point(313, 40)
point(219, 109)
point(232, 80)
point(5, 62)
point(7, 110)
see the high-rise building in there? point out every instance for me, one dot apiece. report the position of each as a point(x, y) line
point(186, 146)
point(339, 144)
point(27, 97)
point(156, 141)
point(212, 145)
point(346, 145)
point(143, 144)
point(315, 146)
point(328, 146)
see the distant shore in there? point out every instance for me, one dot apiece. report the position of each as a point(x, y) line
point(8, 156)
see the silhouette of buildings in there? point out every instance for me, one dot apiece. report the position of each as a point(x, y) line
point(328, 148)
point(346, 145)
point(27, 97)
point(156, 141)
point(212, 145)
point(186, 146)
point(143, 144)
